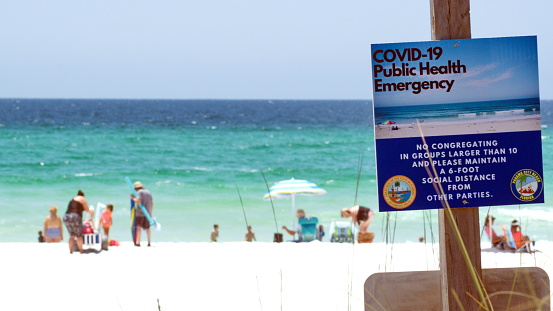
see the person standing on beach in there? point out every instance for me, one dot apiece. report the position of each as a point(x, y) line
point(73, 220)
point(106, 219)
point(363, 216)
point(143, 197)
point(53, 229)
point(297, 229)
point(250, 236)
point(215, 233)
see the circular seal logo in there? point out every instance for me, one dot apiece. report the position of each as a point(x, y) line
point(526, 185)
point(399, 192)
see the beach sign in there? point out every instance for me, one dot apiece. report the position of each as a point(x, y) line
point(457, 123)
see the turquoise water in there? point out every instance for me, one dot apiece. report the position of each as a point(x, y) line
point(499, 109)
point(193, 155)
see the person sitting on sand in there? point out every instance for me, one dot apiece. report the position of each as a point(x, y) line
point(497, 240)
point(250, 236)
point(519, 239)
point(73, 220)
point(40, 237)
point(106, 220)
point(215, 233)
point(361, 215)
point(297, 229)
point(53, 229)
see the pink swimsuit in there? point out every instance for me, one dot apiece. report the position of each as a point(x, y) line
point(106, 218)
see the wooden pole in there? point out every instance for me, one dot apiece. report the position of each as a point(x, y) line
point(451, 20)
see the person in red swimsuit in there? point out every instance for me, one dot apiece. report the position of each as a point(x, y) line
point(518, 237)
point(106, 219)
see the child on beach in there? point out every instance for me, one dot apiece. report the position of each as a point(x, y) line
point(106, 220)
point(250, 236)
point(215, 233)
point(40, 237)
point(321, 233)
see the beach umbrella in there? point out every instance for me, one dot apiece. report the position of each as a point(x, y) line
point(291, 188)
point(389, 122)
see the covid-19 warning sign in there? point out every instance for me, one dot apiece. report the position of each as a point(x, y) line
point(457, 123)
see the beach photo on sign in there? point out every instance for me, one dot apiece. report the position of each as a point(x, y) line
point(455, 87)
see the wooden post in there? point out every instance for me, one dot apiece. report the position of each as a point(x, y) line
point(451, 20)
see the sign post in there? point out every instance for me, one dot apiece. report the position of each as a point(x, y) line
point(451, 20)
point(457, 125)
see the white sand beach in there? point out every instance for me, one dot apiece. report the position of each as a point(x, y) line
point(458, 128)
point(216, 276)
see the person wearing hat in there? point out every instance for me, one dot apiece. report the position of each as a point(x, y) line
point(497, 240)
point(518, 237)
point(143, 197)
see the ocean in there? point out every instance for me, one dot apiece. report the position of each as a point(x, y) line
point(198, 157)
point(460, 112)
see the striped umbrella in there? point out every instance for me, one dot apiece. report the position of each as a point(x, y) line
point(291, 188)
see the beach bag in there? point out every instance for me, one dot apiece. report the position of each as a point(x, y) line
point(87, 229)
point(365, 237)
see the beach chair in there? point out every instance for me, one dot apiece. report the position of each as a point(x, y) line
point(525, 247)
point(490, 233)
point(342, 231)
point(308, 228)
point(92, 235)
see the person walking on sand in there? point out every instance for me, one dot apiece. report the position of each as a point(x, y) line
point(73, 220)
point(143, 197)
point(215, 233)
point(53, 229)
point(106, 220)
point(250, 236)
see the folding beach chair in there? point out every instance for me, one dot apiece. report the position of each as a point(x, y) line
point(342, 231)
point(93, 237)
point(308, 228)
point(525, 247)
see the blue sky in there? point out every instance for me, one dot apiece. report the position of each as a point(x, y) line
point(496, 69)
point(240, 49)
